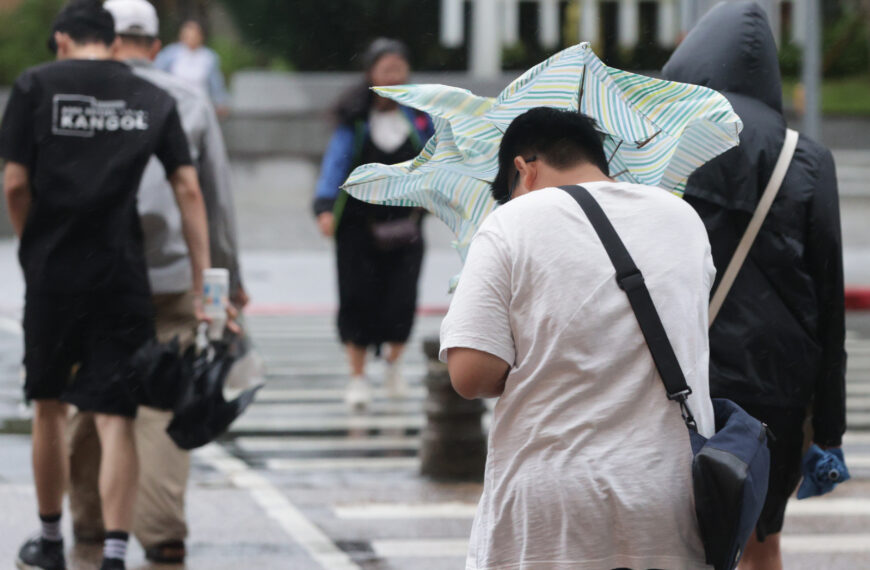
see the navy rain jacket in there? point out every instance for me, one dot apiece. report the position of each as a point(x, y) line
point(779, 339)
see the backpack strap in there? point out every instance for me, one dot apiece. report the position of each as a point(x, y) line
point(630, 280)
point(742, 251)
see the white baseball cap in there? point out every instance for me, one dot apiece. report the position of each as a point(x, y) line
point(134, 17)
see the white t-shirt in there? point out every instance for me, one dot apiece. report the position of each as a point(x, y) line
point(589, 464)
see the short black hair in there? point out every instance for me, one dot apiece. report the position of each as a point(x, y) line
point(561, 138)
point(85, 21)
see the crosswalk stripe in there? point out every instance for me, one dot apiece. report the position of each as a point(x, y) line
point(325, 444)
point(825, 543)
point(817, 507)
point(421, 548)
point(336, 370)
point(828, 507)
point(284, 424)
point(373, 511)
point(328, 409)
point(316, 394)
point(455, 547)
point(344, 464)
point(856, 438)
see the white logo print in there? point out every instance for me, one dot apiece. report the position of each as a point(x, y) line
point(82, 116)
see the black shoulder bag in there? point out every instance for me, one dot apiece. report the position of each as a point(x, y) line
point(729, 470)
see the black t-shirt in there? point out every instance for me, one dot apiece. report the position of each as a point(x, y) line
point(85, 129)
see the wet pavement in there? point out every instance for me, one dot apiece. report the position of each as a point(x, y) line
point(300, 483)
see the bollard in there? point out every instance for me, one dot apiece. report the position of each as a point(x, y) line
point(453, 445)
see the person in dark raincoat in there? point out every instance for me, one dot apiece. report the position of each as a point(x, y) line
point(777, 346)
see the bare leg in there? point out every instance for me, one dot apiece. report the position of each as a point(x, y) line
point(84, 476)
point(356, 355)
point(762, 555)
point(119, 471)
point(49, 454)
point(395, 352)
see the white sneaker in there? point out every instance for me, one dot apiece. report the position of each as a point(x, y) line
point(358, 394)
point(394, 382)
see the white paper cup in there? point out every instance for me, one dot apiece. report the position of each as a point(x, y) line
point(216, 291)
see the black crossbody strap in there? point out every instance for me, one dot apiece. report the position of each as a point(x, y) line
point(630, 280)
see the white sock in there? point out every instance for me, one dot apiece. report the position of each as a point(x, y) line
point(115, 545)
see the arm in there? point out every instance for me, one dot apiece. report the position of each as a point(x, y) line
point(825, 258)
point(476, 336)
point(476, 374)
point(217, 88)
point(16, 188)
point(333, 171)
point(214, 178)
point(194, 224)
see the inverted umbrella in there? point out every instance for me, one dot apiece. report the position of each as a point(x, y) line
point(656, 132)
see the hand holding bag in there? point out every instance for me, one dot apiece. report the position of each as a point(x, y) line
point(730, 469)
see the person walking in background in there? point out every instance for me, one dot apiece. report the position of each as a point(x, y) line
point(77, 135)
point(159, 521)
point(190, 60)
point(589, 463)
point(777, 345)
point(379, 249)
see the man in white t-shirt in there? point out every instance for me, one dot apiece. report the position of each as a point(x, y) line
point(589, 463)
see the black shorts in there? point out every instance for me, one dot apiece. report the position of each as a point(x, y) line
point(78, 350)
point(786, 452)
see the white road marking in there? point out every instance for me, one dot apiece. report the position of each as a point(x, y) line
point(449, 547)
point(858, 402)
point(382, 511)
point(856, 438)
point(427, 548)
point(279, 508)
point(345, 464)
point(822, 507)
point(318, 424)
point(380, 407)
point(854, 388)
point(823, 543)
point(290, 444)
point(857, 459)
point(315, 394)
point(11, 326)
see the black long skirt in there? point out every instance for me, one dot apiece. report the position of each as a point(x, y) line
point(377, 289)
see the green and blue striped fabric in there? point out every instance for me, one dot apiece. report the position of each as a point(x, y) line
point(656, 133)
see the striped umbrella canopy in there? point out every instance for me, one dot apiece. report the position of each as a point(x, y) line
point(656, 132)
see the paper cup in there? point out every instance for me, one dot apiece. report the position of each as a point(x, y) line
point(215, 294)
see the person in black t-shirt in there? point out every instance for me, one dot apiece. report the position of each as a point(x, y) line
point(76, 136)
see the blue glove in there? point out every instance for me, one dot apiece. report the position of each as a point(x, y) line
point(822, 470)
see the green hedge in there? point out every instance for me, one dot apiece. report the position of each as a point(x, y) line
point(24, 36)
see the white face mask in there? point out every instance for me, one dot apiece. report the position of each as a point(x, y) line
point(389, 129)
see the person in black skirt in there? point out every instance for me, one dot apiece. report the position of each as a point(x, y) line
point(379, 249)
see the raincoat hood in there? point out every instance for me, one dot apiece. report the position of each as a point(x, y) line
point(731, 50)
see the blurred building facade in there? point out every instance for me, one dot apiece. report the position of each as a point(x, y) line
point(625, 23)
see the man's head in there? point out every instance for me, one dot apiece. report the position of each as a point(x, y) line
point(547, 147)
point(137, 26)
point(82, 24)
point(192, 34)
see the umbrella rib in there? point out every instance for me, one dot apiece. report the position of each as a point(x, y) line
point(582, 90)
point(649, 140)
point(609, 160)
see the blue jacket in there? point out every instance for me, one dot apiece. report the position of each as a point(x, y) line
point(340, 157)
